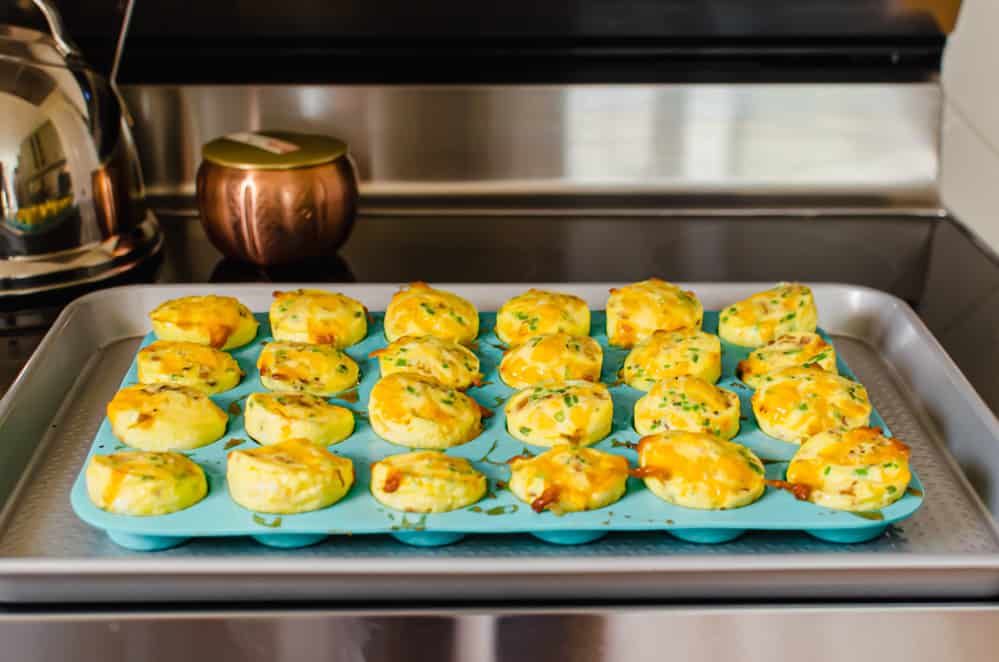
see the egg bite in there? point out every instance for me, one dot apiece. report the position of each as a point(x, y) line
point(702, 471)
point(765, 316)
point(144, 483)
point(578, 413)
point(416, 411)
point(294, 367)
point(689, 404)
point(568, 479)
point(788, 351)
point(537, 312)
point(164, 417)
point(426, 482)
point(857, 470)
point(319, 317)
point(549, 358)
point(636, 311)
point(220, 322)
point(293, 476)
point(796, 403)
point(668, 354)
point(422, 310)
point(270, 418)
point(200, 367)
point(451, 364)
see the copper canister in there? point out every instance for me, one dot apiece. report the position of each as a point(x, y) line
point(274, 197)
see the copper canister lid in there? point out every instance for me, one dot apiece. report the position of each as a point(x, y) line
point(273, 150)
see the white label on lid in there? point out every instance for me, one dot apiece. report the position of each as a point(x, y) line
point(266, 143)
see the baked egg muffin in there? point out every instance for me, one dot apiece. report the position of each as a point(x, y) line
point(689, 404)
point(788, 351)
point(421, 310)
point(294, 367)
point(200, 367)
point(568, 479)
point(270, 418)
point(537, 312)
point(857, 470)
point(317, 316)
point(550, 358)
point(668, 354)
point(143, 483)
point(426, 482)
point(796, 403)
point(578, 413)
point(220, 322)
point(701, 471)
point(758, 320)
point(451, 364)
point(412, 410)
point(636, 311)
point(164, 417)
point(294, 476)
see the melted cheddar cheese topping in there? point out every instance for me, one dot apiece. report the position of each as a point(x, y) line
point(453, 365)
point(416, 411)
point(577, 413)
point(293, 476)
point(758, 320)
point(636, 311)
point(426, 482)
point(569, 479)
point(221, 322)
point(549, 358)
point(787, 351)
point(271, 418)
point(695, 470)
point(160, 417)
point(200, 367)
point(690, 404)
point(422, 310)
point(293, 367)
point(317, 316)
point(668, 354)
point(537, 312)
point(796, 403)
point(142, 483)
point(857, 470)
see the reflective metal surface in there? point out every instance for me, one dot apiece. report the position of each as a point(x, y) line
point(70, 189)
point(949, 549)
point(854, 145)
point(711, 634)
point(271, 217)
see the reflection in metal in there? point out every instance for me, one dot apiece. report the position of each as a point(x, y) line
point(72, 194)
point(865, 145)
point(270, 216)
point(505, 633)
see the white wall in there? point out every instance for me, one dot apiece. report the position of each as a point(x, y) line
point(969, 180)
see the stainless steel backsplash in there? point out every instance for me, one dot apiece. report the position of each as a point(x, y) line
point(866, 145)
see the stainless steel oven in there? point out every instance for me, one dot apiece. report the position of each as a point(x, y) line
point(714, 142)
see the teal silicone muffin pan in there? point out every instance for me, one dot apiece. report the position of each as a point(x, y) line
point(500, 511)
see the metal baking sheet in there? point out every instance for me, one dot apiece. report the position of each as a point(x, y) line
point(948, 549)
point(500, 511)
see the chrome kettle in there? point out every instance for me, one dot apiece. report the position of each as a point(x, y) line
point(72, 206)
